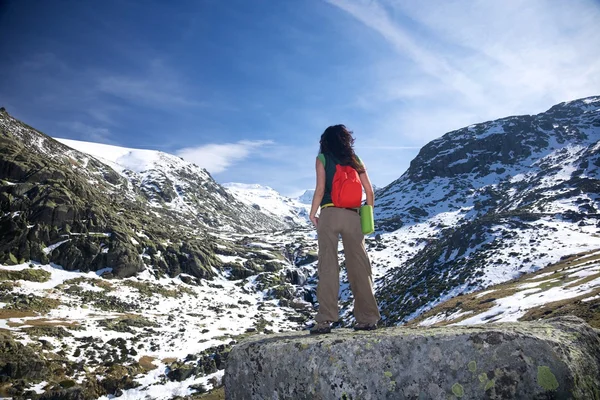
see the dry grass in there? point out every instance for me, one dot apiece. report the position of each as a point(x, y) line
point(6, 314)
point(581, 281)
point(589, 311)
point(104, 284)
point(101, 283)
point(468, 302)
point(169, 360)
point(217, 394)
point(44, 322)
point(146, 363)
point(4, 390)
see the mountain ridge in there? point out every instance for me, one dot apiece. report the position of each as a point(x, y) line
point(478, 191)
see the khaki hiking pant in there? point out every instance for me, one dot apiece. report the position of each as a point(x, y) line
point(333, 222)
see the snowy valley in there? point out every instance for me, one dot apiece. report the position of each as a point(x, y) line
point(131, 273)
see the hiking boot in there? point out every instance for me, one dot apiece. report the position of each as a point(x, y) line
point(365, 327)
point(320, 328)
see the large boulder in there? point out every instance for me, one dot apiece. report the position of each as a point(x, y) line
point(556, 359)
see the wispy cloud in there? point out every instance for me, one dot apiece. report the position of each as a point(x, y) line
point(217, 158)
point(89, 133)
point(159, 86)
point(375, 16)
point(461, 62)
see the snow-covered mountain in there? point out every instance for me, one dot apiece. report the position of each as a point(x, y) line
point(267, 200)
point(109, 258)
point(306, 197)
point(168, 181)
point(486, 203)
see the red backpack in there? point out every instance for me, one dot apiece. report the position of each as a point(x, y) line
point(346, 189)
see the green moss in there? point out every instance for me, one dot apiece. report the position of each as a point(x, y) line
point(125, 324)
point(12, 258)
point(8, 286)
point(388, 374)
point(483, 378)
point(301, 346)
point(187, 290)
point(147, 289)
point(52, 331)
point(33, 275)
point(546, 379)
point(34, 303)
point(458, 390)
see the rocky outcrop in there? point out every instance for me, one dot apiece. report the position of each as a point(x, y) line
point(556, 359)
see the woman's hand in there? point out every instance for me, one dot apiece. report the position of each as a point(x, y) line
point(314, 220)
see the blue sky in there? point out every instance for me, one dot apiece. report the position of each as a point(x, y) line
point(245, 88)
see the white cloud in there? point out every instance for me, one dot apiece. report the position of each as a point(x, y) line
point(217, 158)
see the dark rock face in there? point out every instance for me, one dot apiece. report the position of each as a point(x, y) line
point(21, 362)
point(557, 359)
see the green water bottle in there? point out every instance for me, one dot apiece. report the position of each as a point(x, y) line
point(367, 223)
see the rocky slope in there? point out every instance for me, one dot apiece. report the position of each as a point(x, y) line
point(488, 202)
point(143, 336)
point(64, 206)
point(196, 270)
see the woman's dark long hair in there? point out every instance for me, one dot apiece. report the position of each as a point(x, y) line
point(337, 140)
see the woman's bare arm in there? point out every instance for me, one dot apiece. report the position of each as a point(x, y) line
point(366, 182)
point(319, 191)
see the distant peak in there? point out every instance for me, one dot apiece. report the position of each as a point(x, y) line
point(307, 196)
point(247, 186)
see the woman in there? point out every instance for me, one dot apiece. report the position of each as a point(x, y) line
point(336, 148)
